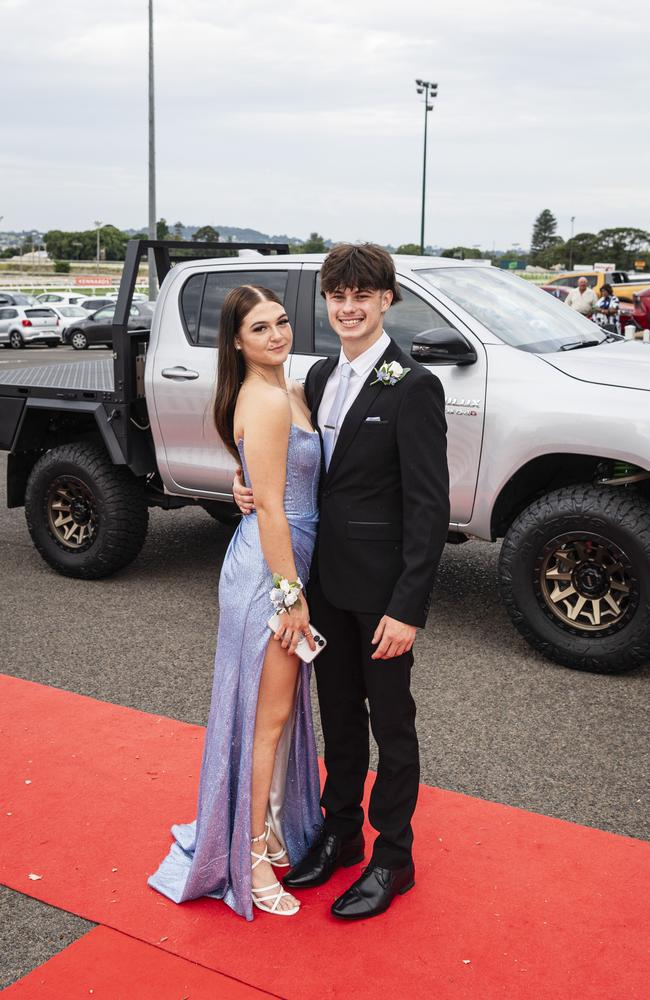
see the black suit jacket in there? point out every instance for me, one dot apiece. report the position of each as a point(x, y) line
point(384, 501)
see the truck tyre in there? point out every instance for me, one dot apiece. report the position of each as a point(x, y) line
point(87, 517)
point(574, 574)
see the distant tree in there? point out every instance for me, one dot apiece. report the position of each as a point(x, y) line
point(178, 230)
point(83, 245)
point(555, 254)
point(206, 234)
point(9, 252)
point(623, 245)
point(460, 253)
point(315, 244)
point(584, 248)
point(162, 230)
point(544, 233)
point(62, 267)
point(413, 249)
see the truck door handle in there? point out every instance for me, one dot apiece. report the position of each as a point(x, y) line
point(179, 372)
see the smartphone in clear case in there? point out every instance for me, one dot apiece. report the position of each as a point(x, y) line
point(303, 650)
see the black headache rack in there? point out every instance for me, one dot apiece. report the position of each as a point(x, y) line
point(127, 409)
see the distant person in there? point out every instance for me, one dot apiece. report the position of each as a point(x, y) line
point(582, 298)
point(608, 313)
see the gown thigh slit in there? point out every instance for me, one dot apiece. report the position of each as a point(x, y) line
point(211, 855)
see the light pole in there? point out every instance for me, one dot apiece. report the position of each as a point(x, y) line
point(573, 219)
point(153, 291)
point(98, 224)
point(430, 91)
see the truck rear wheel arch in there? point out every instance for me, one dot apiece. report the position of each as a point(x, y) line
point(48, 423)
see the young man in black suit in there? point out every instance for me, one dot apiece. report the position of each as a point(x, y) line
point(384, 517)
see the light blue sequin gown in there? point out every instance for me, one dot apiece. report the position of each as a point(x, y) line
point(211, 856)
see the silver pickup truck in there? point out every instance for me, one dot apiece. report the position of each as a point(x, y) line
point(548, 444)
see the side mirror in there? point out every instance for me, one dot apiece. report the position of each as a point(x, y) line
point(442, 346)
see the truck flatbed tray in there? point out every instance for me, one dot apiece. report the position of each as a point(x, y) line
point(71, 376)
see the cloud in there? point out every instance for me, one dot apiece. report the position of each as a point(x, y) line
point(305, 117)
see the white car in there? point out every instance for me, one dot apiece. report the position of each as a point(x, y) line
point(10, 297)
point(67, 314)
point(136, 297)
point(62, 298)
point(20, 325)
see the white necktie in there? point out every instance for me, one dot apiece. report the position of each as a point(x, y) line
point(331, 427)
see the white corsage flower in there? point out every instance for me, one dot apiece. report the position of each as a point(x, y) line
point(390, 373)
point(284, 593)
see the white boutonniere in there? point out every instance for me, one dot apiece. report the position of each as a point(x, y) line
point(390, 373)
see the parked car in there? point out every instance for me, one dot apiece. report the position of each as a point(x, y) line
point(12, 298)
point(68, 315)
point(624, 285)
point(20, 326)
point(639, 312)
point(98, 327)
point(62, 298)
point(137, 296)
point(95, 302)
point(547, 415)
point(558, 291)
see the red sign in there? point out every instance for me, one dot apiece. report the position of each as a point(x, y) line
point(87, 280)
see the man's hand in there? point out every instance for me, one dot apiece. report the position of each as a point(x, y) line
point(242, 494)
point(394, 638)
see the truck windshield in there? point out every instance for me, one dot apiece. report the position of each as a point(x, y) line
point(522, 315)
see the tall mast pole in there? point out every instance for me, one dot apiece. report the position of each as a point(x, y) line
point(153, 284)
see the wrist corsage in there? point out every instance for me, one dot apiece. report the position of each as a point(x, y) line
point(285, 594)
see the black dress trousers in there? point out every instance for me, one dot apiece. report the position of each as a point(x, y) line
point(347, 679)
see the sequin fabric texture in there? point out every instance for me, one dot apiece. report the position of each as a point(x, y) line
point(211, 855)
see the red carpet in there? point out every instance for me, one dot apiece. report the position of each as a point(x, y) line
point(107, 965)
point(507, 903)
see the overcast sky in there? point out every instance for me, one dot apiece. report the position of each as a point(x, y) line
point(296, 116)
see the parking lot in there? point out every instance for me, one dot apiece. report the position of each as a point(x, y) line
point(39, 355)
point(495, 719)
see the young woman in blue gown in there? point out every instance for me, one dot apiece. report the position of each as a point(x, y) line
point(258, 805)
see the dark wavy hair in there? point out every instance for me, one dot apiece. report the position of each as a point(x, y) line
point(367, 267)
point(231, 367)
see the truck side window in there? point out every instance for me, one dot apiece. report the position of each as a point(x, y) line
point(402, 322)
point(191, 305)
point(411, 316)
point(203, 296)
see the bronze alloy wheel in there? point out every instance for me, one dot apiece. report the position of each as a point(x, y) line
point(71, 513)
point(586, 583)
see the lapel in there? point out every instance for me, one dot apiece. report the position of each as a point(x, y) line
point(355, 415)
point(320, 382)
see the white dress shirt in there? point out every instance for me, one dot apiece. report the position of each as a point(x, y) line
point(582, 302)
point(361, 368)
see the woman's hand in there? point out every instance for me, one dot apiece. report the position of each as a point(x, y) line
point(242, 494)
point(294, 623)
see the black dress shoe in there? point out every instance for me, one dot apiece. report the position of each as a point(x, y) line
point(330, 853)
point(373, 893)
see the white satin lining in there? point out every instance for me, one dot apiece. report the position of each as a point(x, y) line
point(279, 779)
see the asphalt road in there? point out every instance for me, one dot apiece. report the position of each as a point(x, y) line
point(495, 719)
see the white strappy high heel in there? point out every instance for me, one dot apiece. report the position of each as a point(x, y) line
point(274, 898)
point(275, 857)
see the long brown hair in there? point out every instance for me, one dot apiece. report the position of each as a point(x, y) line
point(231, 368)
